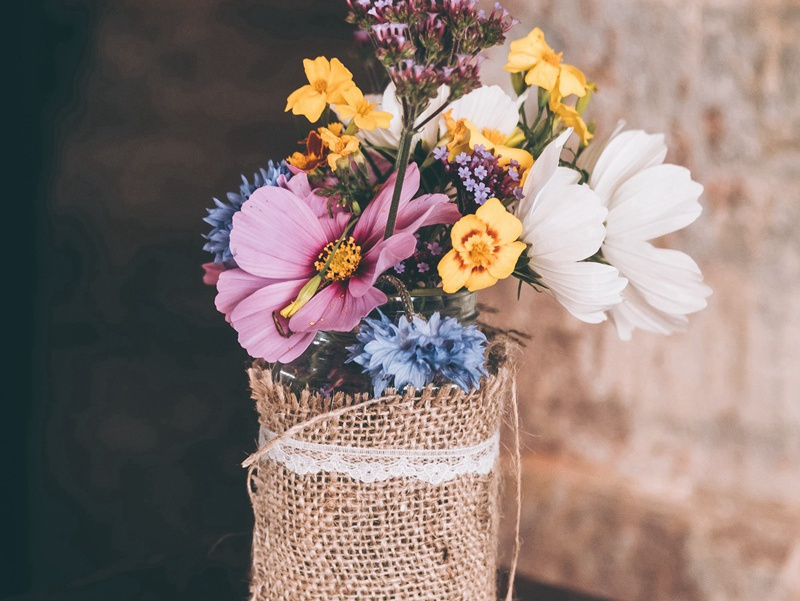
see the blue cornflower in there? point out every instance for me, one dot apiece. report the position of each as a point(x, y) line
point(419, 353)
point(220, 217)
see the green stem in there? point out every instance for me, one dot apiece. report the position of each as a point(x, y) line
point(400, 165)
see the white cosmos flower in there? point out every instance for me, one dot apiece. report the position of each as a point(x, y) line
point(493, 116)
point(646, 199)
point(390, 138)
point(489, 108)
point(563, 222)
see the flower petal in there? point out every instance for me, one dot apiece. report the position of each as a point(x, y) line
point(541, 173)
point(252, 318)
point(489, 107)
point(335, 309)
point(234, 286)
point(453, 272)
point(654, 202)
point(276, 235)
point(566, 222)
point(667, 279)
point(635, 312)
point(380, 258)
point(505, 260)
point(626, 154)
point(371, 226)
point(506, 227)
point(585, 289)
point(479, 279)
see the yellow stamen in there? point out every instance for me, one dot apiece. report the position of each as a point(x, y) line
point(344, 262)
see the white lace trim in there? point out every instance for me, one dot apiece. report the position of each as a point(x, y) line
point(373, 465)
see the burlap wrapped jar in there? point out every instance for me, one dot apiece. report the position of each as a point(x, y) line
point(364, 499)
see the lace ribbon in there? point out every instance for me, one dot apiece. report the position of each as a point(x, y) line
point(374, 465)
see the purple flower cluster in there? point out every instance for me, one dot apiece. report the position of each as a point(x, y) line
point(480, 176)
point(428, 43)
point(420, 268)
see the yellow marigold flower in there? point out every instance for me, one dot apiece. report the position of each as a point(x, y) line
point(326, 83)
point(362, 111)
point(340, 145)
point(543, 68)
point(485, 249)
point(572, 118)
point(313, 157)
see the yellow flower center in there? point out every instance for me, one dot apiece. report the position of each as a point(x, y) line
point(480, 249)
point(321, 86)
point(344, 262)
point(364, 108)
point(550, 57)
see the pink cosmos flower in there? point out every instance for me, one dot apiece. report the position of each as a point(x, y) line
point(283, 236)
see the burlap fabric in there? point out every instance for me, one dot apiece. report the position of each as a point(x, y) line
point(327, 536)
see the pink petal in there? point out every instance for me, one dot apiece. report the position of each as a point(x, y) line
point(370, 228)
point(380, 258)
point(298, 184)
point(252, 318)
point(276, 235)
point(212, 273)
point(426, 210)
point(334, 226)
point(336, 309)
point(234, 286)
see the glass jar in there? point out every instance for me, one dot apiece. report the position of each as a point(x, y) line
point(322, 367)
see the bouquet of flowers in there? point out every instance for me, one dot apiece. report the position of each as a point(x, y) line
point(399, 206)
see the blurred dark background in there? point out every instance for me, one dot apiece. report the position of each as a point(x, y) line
point(124, 452)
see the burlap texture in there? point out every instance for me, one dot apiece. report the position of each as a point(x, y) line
point(329, 537)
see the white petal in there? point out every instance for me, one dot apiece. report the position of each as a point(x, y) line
point(566, 221)
point(627, 154)
point(592, 152)
point(585, 289)
point(669, 280)
point(390, 138)
point(654, 202)
point(489, 107)
point(635, 312)
point(430, 133)
point(542, 171)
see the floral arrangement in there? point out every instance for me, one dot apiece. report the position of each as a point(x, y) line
point(441, 183)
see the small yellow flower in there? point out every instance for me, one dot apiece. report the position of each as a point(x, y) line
point(362, 111)
point(463, 136)
point(485, 249)
point(327, 82)
point(572, 118)
point(543, 68)
point(340, 145)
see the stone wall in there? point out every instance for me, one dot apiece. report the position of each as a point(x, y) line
point(669, 468)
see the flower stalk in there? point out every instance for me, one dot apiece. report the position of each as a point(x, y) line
point(400, 165)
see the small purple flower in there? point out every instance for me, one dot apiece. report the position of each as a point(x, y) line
point(481, 193)
point(400, 268)
point(440, 153)
point(423, 267)
point(464, 173)
point(480, 172)
point(462, 159)
point(434, 248)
